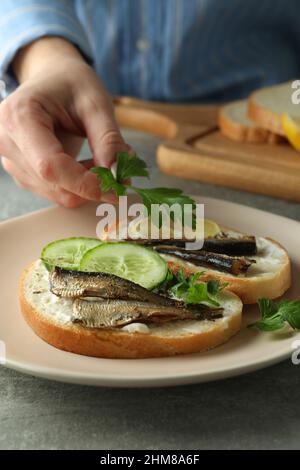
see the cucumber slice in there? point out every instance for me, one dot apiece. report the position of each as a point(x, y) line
point(67, 253)
point(136, 263)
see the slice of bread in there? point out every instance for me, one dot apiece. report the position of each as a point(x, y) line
point(50, 318)
point(269, 276)
point(267, 105)
point(235, 124)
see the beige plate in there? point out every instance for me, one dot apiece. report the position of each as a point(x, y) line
point(21, 242)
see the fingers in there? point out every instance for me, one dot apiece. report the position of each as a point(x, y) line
point(88, 164)
point(39, 116)
point(71, 143)
point(45, 154)
point(104, 136)
point(26, 181)
point(34, 136)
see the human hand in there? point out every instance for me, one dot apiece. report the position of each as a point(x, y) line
point(43, 123)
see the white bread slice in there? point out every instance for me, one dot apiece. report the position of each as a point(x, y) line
point(269, 277)
point(267, 105)
point(50, 318)
point(236, 125)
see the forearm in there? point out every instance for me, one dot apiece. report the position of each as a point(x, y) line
point(24, 23)
point(42, 55)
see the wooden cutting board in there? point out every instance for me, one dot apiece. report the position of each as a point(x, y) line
point(193, 148)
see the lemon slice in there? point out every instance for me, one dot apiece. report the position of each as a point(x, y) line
point(291, 127)
point(211, 228)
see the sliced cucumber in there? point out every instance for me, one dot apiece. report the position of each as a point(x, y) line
point(67, 253)
point(133, 262)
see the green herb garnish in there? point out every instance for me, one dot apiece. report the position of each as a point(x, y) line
point(108, 181)
point(189, 290)
point(168, 282)
point(129, 166)
point(275, 315)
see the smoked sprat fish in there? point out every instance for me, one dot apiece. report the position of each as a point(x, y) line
point(118, 313)
point(225, 263)
point(72, 284)
point(245, 245)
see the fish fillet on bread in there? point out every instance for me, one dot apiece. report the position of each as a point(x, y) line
point(50, 317)
point(269, 273)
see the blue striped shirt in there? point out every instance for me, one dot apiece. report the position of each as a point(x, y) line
point(169, 50)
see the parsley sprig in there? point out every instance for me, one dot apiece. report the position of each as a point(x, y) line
point(129, 166)
point(276, 315)
point(189, 290)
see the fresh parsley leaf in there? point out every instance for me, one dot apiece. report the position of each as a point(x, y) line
point(129, 166)
point(179, 276)
point(290, 311)
point(108, 181)
point(275, 315)
point(213, 287)
point(180, 290)
point(270, 324)
point(198, 293)
point(167, 196)
point(191, 291)
point(267, 308)
point(193, 278)
point(165, 285)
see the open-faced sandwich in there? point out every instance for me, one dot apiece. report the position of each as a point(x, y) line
point(120, 300)
point(147, 298)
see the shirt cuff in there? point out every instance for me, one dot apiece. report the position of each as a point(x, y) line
point(20, 26)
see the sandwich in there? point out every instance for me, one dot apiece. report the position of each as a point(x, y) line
point(120, 300)
point(142, 298)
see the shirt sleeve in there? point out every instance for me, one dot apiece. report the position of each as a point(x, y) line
point(23, 21)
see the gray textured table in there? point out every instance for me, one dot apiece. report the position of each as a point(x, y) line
point(258, 410)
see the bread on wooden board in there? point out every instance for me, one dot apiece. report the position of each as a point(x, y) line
point(267, 105)
point(236, 125)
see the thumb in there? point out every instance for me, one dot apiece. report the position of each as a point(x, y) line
point(102, 131)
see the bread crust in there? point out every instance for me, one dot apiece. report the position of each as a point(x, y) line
point(264, 116)
point(240, 132)
point(114, 344)
point(250, 289)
